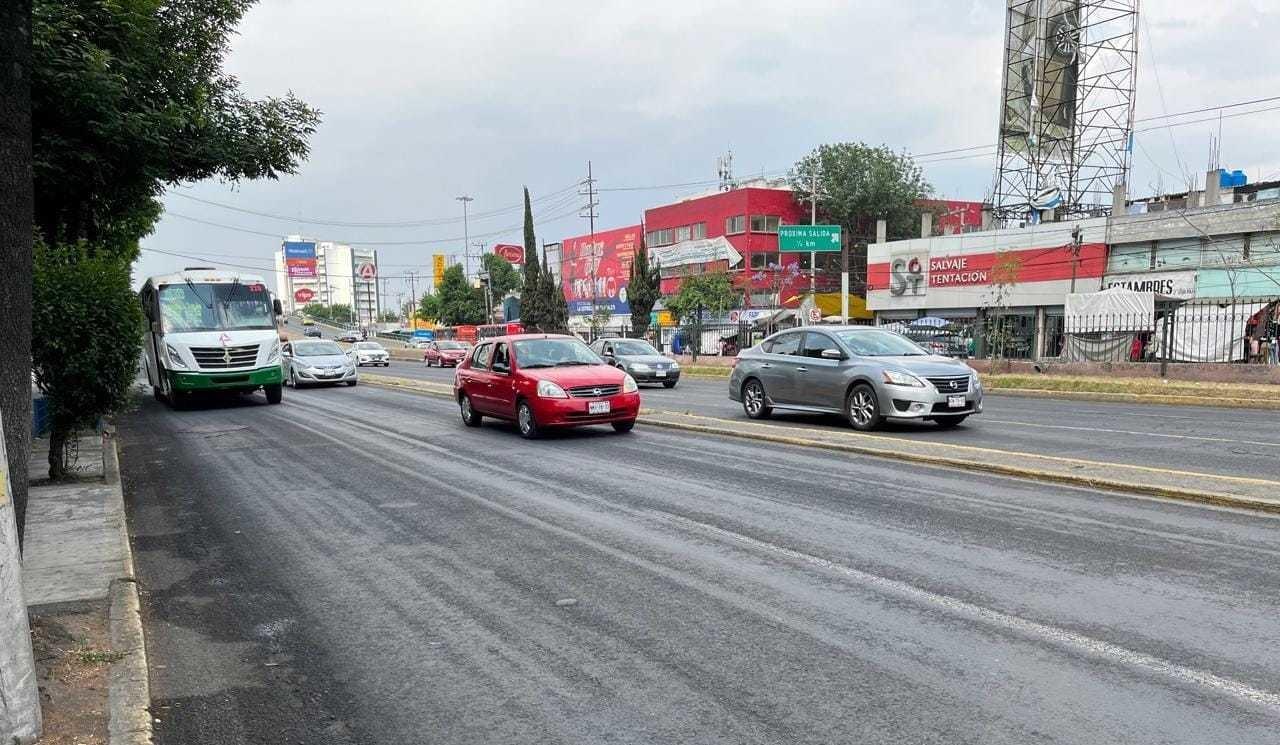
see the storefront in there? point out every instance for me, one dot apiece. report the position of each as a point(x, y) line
point(1000, 288)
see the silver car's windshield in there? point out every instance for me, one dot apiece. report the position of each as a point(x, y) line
point(554, 353)
point(871, 343)
point(318, 349)
point(633, 347)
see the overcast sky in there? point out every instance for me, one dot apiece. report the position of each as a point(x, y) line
point(424, 101)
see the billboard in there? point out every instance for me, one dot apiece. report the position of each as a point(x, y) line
point(1041, 69)
point(602, 262)
point(437, 270)
point(304, 295)
point(509, 251)
point(300, 258)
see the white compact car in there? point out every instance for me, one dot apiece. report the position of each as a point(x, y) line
point(371, 353)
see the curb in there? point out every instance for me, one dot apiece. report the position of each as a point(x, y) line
point(1184, 495)
point(129, 684)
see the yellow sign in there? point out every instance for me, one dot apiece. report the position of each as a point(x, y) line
point(437, 268)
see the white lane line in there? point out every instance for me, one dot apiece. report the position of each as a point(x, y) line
point(1131, 432)
point(1052, 634)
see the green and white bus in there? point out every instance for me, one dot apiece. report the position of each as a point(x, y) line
point(209, 329)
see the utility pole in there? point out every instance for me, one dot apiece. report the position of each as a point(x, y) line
point(813, 255)
point(466, 234)
point(483, 275)
point(1077, 241)
point(413, 293)
point(589, 191)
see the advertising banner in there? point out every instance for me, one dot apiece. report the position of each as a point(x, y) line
point(303, 295)
point(599, 268)
point(1042, 38)
point(509, 251)
point(437, 269)
point(300, 258)
point(699, 251)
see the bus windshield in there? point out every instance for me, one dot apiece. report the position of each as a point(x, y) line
point(221, 306)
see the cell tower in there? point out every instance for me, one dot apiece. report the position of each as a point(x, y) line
point(1067, 103)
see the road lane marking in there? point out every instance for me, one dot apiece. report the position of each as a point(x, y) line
point(1058, 636)
point(1130, 432)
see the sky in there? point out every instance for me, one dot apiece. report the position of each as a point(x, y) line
point(424, 101)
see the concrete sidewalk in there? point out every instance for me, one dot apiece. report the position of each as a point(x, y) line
point(77, 551)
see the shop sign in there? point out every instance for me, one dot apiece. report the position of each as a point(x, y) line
point(956, 271)
point(906, 276)
point(1181, 285)
point(512, 253)
point(367, 271)
point(300, 258)
point(303, 295)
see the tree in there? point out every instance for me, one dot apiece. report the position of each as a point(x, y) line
point(460, 303)
point(16, 220)
point(859, 184)
point(503, 276)
point(86, 374)
point(532, 307)
point(701, 293)
point(998, 332)
point(129, 96)
point(556, 308)
point(644, 287)
point(429, 307)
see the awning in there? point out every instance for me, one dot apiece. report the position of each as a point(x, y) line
point(829, 304)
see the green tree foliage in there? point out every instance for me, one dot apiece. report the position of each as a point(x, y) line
point(130, 95)
point(429, 307)
point(503, 276)
point(533, 308)
point(859, 184)
point(712, 293)
point(644, 287)
point(336, 313)
point(89, 319)
point(555, 307)
point(460, 303)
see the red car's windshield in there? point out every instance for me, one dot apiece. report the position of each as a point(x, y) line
point(534, 353)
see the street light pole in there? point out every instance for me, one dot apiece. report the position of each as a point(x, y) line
point(813, 255)
point(466, 234)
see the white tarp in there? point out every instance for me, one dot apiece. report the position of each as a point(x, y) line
point(700, 251)
point(1206, 333)
point(19, 704)
point(1116, 309)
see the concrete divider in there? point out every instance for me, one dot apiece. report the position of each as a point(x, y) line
point(1191, 486)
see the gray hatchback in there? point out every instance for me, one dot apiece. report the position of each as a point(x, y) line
point(864, 373)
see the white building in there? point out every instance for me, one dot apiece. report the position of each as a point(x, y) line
point(343, 276)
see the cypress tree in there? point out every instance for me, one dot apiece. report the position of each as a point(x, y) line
point(532, 305)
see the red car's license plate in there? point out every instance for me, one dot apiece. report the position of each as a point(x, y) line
point(598, 407)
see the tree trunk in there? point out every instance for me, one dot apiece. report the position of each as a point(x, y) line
point(16, 216)
point(57, 453)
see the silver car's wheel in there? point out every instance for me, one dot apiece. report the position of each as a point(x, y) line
point(754, 402)
point(862, 408)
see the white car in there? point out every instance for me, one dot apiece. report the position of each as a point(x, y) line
point(371, 353)
point(419, 342)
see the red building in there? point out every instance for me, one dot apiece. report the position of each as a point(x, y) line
point(747, 218)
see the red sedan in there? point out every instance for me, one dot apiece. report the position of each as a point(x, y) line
point(541, 381)
point(445, 353)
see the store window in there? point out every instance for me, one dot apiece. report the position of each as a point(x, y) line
point(764, 223)
point(683, 232)
point(663, 237)
point(698, 231)
point(735, 224)
point(764, 259)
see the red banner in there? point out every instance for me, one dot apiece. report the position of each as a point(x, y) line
point(511, 252)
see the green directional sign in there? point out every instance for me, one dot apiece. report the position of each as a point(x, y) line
point(809, 238)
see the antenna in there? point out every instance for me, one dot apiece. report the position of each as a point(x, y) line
point(724, 169)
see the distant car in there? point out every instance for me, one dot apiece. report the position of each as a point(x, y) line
point(349, 336)
point(308, 322)
point(308, 362)
point(544, 381)
point(638, 358)
point(445, 353)
point(312, 332)
point(371, 353)
point(866, 374)
point(946, 345)
point(418, 342)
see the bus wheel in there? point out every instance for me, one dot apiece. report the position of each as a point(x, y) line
point(275, 393)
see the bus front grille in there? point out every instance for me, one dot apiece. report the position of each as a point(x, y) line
point(221, 358)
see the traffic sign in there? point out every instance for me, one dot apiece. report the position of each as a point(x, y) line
point(817, 238)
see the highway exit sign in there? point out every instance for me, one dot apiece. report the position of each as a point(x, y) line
point(808, 238)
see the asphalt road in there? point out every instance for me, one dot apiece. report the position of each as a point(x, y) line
point(1236, 442)
point(356, 566)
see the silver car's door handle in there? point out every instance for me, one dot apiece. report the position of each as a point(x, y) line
point(802, 369)
point(765, 366)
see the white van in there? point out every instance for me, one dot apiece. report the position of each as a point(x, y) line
point(209, 329)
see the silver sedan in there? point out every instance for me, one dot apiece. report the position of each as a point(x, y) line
point(307, 362)
point(866, 374)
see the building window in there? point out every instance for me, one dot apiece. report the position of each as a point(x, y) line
point(663, 237)
point(764, 260)
point(698, 231)
point(682, 233)
point(764, 223)
point(735, 224)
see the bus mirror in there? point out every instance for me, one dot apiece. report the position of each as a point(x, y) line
point(277, 307)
